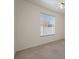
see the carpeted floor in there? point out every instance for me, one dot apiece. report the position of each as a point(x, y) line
point(53, 50)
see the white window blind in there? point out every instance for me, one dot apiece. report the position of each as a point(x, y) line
point(47, 24)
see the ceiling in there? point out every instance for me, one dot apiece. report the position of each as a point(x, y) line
point(50, 4)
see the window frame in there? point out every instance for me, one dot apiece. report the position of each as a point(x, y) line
point(54, 25)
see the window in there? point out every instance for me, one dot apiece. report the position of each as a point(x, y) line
point(47, 24)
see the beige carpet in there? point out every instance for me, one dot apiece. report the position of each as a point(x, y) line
point(53, 50)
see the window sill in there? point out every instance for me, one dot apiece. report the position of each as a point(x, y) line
point(48, 35)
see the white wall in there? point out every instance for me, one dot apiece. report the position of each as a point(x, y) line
point(27, 26)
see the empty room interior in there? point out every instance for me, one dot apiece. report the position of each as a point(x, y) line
point(39, 30)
